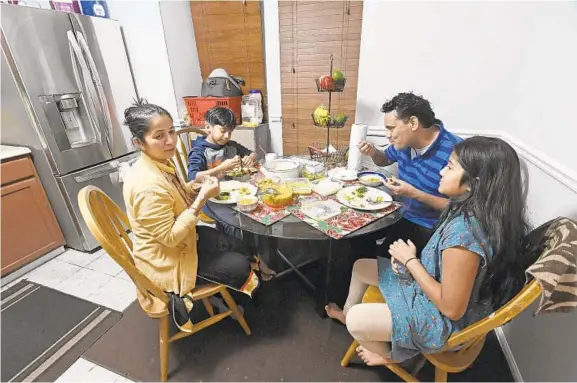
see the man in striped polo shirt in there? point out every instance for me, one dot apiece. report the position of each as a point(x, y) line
point(421, 147)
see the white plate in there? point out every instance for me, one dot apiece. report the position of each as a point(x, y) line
point(234, 193)
point(343, 174)
point(361, 203)
point(225, 202)
point(322, 210)
point(326, 187)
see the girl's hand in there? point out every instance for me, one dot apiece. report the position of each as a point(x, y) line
point(210, 188)
point(402, 251)
point(395, 265)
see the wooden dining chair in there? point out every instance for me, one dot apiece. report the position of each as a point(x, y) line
point(185, 138)
point(469, 341)
point(109, 225)
point(180, 161)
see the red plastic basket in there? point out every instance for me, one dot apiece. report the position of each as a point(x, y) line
point(198, 106)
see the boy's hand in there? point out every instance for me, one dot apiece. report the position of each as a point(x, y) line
point(249, 161)
point(230, 164)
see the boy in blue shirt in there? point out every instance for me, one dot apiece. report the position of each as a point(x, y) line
point(216, 154)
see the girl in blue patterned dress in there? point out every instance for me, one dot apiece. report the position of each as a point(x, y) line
point(472, 265)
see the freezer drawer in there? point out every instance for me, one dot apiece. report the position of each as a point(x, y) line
point(105, 177)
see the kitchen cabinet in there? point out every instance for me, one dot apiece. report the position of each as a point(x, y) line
point(29, 227)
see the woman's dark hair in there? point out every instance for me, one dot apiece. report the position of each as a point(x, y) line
point(137, 117)
point(408, 105)
point(496, 200)
point(222, 116)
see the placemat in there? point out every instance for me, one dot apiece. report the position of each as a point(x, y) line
point(343, 224)
point(266, 215)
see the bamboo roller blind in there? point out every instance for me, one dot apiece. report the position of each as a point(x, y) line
point(310, 31)
point(229, 35)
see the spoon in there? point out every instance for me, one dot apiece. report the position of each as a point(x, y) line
point(373, 200)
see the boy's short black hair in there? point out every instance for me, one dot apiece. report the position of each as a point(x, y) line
point(222, 116)
point(409, 104)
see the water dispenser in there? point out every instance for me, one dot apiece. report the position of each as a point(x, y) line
point(70, 121)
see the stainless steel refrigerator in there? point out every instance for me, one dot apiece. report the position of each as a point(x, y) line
point(66, 81)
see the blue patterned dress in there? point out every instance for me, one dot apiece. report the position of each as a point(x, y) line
point(418, 325)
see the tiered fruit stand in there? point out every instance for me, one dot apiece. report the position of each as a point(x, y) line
point(320, 151)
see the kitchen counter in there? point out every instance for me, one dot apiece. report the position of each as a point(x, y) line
point(8, 152)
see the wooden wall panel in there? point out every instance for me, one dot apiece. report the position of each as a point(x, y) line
point(229, 35)
point(310, 31)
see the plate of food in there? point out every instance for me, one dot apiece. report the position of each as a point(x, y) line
point(225, 198)
point(364, 198)
point(231, 191)
point(240, 174)
point(373, 179)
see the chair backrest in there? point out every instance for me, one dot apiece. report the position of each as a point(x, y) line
point(185, 138)
point(108, 223)
point(477, 331)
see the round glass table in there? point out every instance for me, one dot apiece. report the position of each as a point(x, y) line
point(335, 262)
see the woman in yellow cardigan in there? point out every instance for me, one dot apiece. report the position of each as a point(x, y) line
point(163, 211)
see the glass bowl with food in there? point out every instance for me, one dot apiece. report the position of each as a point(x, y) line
point(372, 179)
point(247, 203)
point(242, 175)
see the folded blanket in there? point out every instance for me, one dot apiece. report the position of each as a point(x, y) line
point(556, 268)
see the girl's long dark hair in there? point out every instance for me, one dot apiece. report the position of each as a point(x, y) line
point(496, 200)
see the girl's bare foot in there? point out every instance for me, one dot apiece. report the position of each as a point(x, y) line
point(371, 358)
point(333, 311)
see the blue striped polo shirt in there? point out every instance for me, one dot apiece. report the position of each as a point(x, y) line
point(423, 172)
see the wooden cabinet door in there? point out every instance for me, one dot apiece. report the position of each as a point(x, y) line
point(29, 228)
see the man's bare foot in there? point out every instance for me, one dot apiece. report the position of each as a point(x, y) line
point(372, 358)
point(333, 311)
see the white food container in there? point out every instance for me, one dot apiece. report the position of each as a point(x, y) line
point(281, 168)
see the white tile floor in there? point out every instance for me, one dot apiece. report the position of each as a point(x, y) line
point(85, 371)
point(93, 277)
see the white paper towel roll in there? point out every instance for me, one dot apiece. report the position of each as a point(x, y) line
point(358, 134)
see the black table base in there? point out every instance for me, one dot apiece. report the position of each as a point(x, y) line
point(333, 267)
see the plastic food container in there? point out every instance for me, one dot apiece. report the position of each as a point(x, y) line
point(314, 172)
point(300, 185)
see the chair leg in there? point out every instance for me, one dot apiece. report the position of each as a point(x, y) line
point(350, 353)
point(234, 308)
point(164, 342)
point(208, 307)
point(440, 375)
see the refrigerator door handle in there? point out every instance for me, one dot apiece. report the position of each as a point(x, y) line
point(87, 92)
point(98, 83)
point(110, 168)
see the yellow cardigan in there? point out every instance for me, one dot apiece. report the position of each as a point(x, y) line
point(164, 230)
